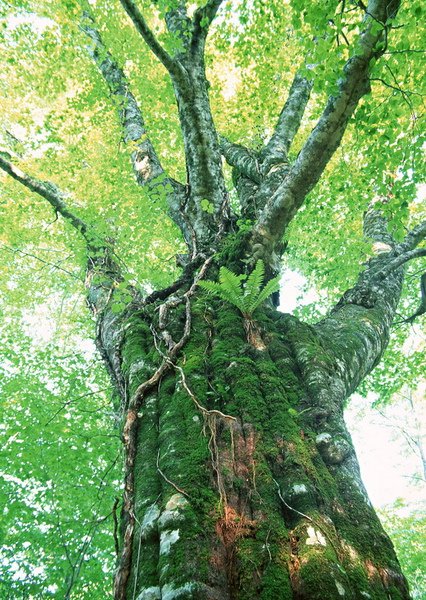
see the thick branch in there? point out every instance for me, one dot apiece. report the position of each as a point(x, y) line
point(241, 158)
point(207, 200)
point(288, 123)
point(328, 133)
point(203, 18)
point(414, 237)
point(376, 229)
point(180, 24)
point(146, 164)
point(400, 260)
point(131, 116)
point(357, 330)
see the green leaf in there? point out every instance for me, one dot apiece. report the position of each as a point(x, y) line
point(207, 206)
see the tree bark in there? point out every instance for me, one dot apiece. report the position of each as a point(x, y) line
point(245, 480)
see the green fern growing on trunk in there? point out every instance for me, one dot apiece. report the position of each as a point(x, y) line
point(246, 293)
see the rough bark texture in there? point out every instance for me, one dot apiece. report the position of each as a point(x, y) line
point(240, 478)
point(245, 481)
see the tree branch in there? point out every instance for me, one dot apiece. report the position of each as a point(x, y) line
point(357, 330)
point(180, 24)
point(102, 270)
point(376, 227)
point(49, 192)
point(327, 135)
point(288, 123)
point(400, 260)
point(141, 25)
point(414, 237)
point(205, 182)
point(241, 158)
point(203, 18)
point(146, 164)
point(131, 116)
point(45, 262)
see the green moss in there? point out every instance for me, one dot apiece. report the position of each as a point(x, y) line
point(276, 583)
point(317, 581)
point(137, 349)
point(359, 580)
point(233, 250)
point(273, 439)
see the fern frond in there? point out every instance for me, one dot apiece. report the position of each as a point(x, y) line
point(253, 285)
point(246, 297)
point(231, 288)
point(211, 286)
point(272, 286)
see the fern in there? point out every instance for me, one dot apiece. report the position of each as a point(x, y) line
point(253, 286)
point(245, 296)
point(231, 289)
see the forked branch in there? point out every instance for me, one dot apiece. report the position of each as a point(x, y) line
point(142, 27)
point(400, 260)
point(146, 163)
point(327, 135)
point(102, 271)
point(357, 330)
point(203, 18)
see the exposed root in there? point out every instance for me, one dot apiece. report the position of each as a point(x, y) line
point(308, 518)
point(211, 418)
point(178, 489)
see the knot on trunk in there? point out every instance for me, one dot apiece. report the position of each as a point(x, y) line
point(333, 450)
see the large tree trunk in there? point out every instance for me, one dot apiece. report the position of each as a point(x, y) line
point(243, 481)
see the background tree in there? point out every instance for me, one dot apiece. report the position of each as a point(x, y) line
point(240, 479)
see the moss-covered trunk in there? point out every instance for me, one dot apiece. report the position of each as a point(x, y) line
point(241, 485)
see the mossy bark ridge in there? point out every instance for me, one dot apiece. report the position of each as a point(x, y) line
point(246, 484)
point(240, 477)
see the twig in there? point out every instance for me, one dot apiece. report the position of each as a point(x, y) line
point(45, 262)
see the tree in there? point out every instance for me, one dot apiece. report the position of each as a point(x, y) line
point(240, 478)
